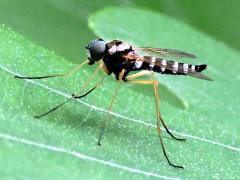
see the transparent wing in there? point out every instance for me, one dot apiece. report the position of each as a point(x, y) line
point(199, 75)
point(167, 52)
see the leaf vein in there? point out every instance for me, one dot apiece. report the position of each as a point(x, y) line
point(124, 117)
point(82, 156)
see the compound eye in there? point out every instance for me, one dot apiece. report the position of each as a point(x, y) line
point(97, 49)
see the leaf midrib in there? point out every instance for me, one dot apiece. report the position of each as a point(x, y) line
point(123, 117)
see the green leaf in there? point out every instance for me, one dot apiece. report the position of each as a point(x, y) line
point(63, 144)
point(62, 24)
point(212, 111)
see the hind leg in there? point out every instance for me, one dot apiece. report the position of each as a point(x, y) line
point(159, 118)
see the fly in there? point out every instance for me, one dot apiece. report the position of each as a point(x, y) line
point(128, 63)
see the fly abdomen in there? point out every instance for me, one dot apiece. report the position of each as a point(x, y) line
point(174, 67)
point(183, 68)
point(150, 63)
point(200, 68)
point(163, 66)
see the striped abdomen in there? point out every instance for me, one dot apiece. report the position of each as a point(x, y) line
point(163, 66)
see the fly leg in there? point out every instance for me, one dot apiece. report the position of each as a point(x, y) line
point(74, 96)
point(159, 121)
point(169, 132)
point(139, 74)
point(143, 73)
point(60, 105)
point(103, 125)
point(54, 75)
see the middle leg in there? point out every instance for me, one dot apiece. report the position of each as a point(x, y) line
point(103, 125)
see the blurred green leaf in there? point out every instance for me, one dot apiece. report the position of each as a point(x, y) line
point(211, 111)
point(61, 25)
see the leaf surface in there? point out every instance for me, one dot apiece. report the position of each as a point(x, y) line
point(204, 112)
